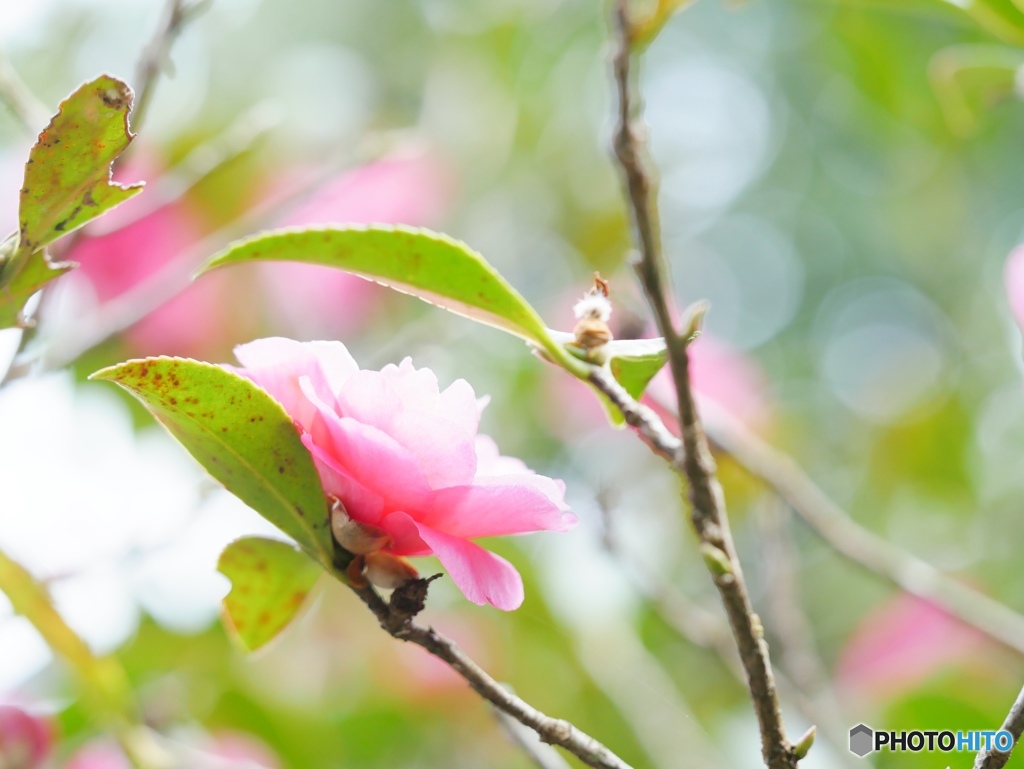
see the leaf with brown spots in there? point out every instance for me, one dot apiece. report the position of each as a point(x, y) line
point(270, 581)
point(436, 268)
point(67, 183)
point(67, 178)
point(243, 438)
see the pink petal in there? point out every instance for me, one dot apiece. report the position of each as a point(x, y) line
point(406, 535)
point(277, 364)
point(362, 504)
point(482, 576)
point(372, 457)
point(438, 428)
point(497, 506)
point(489, 460)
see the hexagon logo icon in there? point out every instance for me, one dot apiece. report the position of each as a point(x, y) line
point(862, 740)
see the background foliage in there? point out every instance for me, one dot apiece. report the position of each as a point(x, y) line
point(847, 223)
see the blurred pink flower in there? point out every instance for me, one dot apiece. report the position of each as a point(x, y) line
point(242, 747)
point(411, 189)
point(721, 375)
point(903, 642)
point(404, 457)
point(231, 746)
point(1013, 275)
point(25, 740)
point(134, 242)
point(98, 755)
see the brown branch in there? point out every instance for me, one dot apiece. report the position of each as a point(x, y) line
point(694, 624)
point(695, 462)
point(1014, 724)
point(905, 570)
point(154, 59)
point(396, 618)
point(794, 633)
point(543, 756)
point(647, 423)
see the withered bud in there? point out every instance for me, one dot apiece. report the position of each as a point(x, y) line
point(358, 538)
point(389, 571)
point(592, 313)
point(591, 334)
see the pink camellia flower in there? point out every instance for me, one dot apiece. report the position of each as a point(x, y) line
point(405, 462)
point(25, 740)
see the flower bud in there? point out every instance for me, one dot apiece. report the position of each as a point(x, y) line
point(358, 538)
point(803, 745)
point(716, 559)
point(389, 571)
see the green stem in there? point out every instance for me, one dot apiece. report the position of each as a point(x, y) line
point(104, 683)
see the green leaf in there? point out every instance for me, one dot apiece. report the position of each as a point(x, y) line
point(104, 680)
point(67, 183)
point(633, 363)
point(970, 79)
point(433, 267)
point(243, 438)
point(67, 178)
point(270, 581)
point(36, 273)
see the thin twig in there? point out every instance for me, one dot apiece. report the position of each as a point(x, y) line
point(695, 462)
point(22, 103)
point(793, 631)
point(649, 425)
point(155, 56)
point(542, 755)
point(1014, 724)
point(396, 619)
point(694, 624)
point(905, 570)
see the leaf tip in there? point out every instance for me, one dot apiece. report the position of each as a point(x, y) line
point(104, 374)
